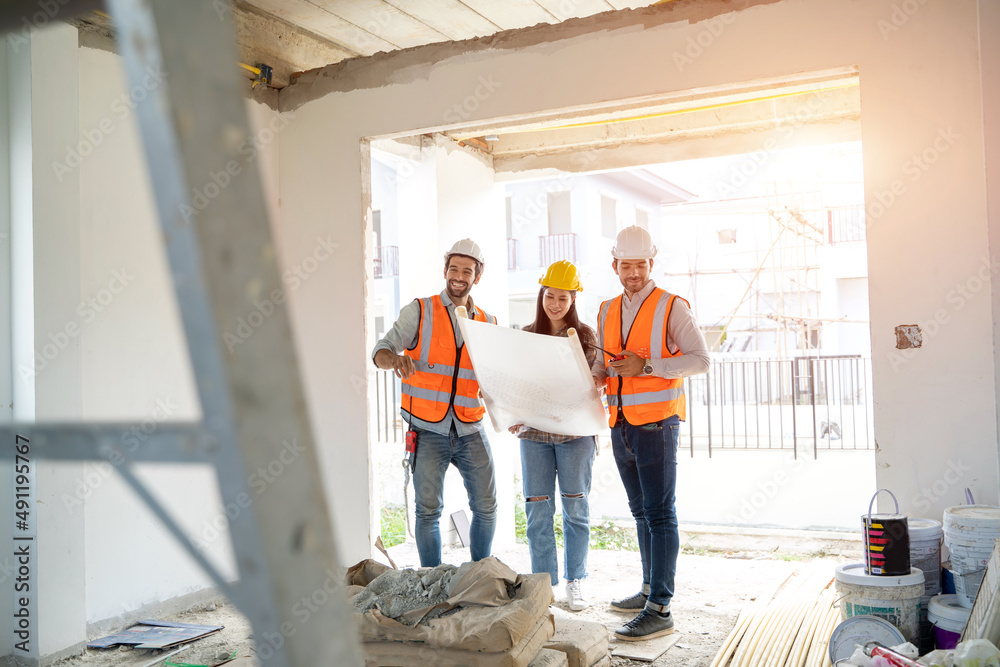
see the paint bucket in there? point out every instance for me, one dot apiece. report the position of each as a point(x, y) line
point(949, 618)
point(969, 532)
point(925, 553)
point(947, 579)
point(892, 598)
point(887, 541)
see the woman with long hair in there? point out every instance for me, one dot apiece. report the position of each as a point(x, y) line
point(568, 459)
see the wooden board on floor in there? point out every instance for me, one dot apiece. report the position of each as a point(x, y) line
point(646, 651)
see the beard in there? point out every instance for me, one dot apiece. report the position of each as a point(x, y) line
point(458, 293)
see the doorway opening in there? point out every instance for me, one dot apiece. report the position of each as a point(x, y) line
point(753, 194)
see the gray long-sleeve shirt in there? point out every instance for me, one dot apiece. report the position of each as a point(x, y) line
point(682, 334)
point(403, 336)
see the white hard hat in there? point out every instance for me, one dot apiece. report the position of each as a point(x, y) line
point(468, 248)
point(633, 243)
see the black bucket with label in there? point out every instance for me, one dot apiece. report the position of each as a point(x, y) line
point(887, 541)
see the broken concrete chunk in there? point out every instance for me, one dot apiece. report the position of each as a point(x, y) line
point(584, 642)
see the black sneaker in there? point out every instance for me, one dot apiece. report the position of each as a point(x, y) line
point(634, 603)
point(647, 625)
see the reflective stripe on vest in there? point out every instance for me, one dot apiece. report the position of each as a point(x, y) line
point(642, 399)
point(438, 383)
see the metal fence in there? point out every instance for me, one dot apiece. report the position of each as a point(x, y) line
point(389, 426)
point(804, 405)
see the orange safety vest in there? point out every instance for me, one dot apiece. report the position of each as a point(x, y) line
point(642, 399)
point(444, 374)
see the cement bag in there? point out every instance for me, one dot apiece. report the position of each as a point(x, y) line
point(489, 619)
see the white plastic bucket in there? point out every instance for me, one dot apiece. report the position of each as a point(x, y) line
point(896, 599)
point(949, 618)
point(969, 532)
point(925, 552)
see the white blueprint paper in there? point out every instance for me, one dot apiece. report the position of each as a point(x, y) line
point(527, 378)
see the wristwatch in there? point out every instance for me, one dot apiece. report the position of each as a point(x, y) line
point(648, 368)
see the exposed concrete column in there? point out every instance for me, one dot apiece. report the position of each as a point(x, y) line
point(328, 314)
point(989, 56)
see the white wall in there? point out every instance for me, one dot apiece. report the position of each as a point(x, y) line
point(59, 562)
point(916, 81)
point(135, 366)
point(989, 25)
point(96, 304)
point(471, 205)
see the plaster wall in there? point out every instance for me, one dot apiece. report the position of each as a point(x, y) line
point(135, 367)
point(921, 92)
point(989, 25)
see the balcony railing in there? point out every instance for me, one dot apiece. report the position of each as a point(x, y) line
point(555, 247)
point(805, 405)
point(386, 261)
point(512, 254)
point(845, 224)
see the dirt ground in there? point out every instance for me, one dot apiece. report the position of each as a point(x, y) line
point(716, 576)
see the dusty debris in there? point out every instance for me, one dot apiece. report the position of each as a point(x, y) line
point(396, 592)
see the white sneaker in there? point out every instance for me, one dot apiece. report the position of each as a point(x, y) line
point(574, 595)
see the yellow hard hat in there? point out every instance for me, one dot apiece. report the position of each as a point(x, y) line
point(562, 275)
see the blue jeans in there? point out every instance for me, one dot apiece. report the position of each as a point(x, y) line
point(572, 462)
point(471, 455)
point(647, 462)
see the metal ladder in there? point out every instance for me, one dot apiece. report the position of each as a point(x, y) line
point(222, 257)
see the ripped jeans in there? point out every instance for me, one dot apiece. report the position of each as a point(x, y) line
point(572, 464)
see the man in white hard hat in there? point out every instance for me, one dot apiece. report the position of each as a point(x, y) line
point(657, 344)
point(440, 401)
